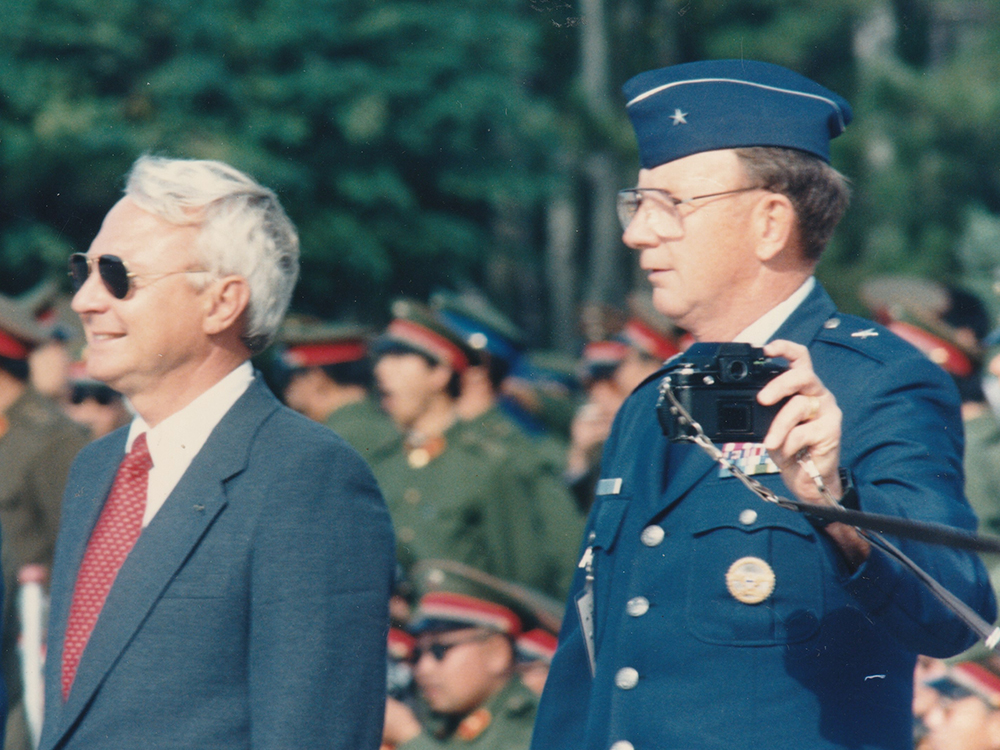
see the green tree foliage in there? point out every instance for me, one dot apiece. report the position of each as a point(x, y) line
point(923, 150)
point(396, 132)
point(419, 143)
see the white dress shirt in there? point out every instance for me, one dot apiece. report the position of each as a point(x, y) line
point(175, 442)
point(761, 330)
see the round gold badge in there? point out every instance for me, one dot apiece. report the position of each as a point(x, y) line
point(750, 580)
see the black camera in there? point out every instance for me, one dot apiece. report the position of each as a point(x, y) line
point(717, 385)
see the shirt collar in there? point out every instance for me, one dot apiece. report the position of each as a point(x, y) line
point(761, 330)
point(186, 431)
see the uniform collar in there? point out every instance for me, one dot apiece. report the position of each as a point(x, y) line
point(761, 330)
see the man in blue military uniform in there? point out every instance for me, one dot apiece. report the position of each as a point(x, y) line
point(701, 616)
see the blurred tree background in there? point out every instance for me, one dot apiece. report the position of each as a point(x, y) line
point(421, 144)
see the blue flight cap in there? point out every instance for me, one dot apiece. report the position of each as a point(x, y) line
point(719, 104)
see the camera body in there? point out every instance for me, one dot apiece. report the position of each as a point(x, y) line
point(717, 384)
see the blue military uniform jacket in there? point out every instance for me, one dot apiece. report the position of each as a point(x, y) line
point(826, 659)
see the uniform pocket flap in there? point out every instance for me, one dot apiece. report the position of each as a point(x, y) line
point(607, 521)
point(749, 516)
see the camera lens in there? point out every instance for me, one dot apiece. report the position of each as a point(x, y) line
point(737, 369)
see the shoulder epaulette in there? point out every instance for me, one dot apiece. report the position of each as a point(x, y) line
point(865, 337)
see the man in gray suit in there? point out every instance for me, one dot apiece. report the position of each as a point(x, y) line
point(227, 586)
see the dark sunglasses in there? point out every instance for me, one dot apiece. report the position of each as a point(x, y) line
point(439, 650)
point(100, 393)
point(117, 279)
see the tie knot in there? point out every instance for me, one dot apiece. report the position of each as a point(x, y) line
point(138, 458)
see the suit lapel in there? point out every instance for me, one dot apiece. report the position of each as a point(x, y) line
point(167, 542)
point(672, 468)
point(686, 465)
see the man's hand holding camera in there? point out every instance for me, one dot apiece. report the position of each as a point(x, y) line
point(807, 428)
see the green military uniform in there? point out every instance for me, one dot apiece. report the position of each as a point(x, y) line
point(340, 352)
point(504, 722)
point(37, 446)
point(460, 499)
point(453, 598)
point(982, 469)
point(363, 425)
point(38, 442)
point(981, 464)
point(537, 464)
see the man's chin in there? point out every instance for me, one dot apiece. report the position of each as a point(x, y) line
point(104, 373)
point(665, 303)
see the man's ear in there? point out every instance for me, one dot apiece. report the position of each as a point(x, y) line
point(227, 299)
point(499, 655)
point(775, 225)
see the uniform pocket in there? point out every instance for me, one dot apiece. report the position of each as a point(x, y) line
point(608, 517)
point(754, 584)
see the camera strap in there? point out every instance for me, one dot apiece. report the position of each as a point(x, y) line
point(869, 525)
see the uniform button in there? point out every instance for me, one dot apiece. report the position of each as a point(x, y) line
point(748, 517)
point(832, 323)
point(637, 606)
point(627, 678)
point(652, 535)
point(623, 745)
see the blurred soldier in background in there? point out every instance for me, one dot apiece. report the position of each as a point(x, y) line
point(49, 362)
point(610, 371)
point(98, 407)
point(536, 459)
point(449, 486)
point(498, 344)
point(592, 421)
point(651, 339)
point(327, 375)
point(966, 712)
point(464, 663)
point(535, 650)
point(37, 445)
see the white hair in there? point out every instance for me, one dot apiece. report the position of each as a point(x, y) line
point(243, 230)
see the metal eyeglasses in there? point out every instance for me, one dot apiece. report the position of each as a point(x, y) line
point(665, 216)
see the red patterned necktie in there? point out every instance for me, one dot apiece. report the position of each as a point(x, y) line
point(112, 539)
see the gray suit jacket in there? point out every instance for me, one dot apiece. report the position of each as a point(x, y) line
point(251, 613)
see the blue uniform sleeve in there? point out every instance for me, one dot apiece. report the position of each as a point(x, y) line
point(902, 441)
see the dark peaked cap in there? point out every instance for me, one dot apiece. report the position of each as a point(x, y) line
point(718, 104)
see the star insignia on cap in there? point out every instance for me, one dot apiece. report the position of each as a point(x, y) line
point(679, 117)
